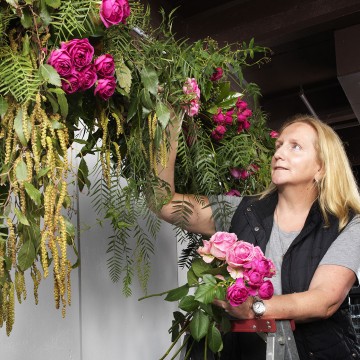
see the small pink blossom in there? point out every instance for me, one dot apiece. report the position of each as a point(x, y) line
point(61, 61)
point(266, 290)
point(218, 132)
point(240, 254)
point(220, 243)
point(235, 273)
point(229, 117)
point(240, 104)
point(233, 192)
point(105, 65)
point(191, 87)
point(105, 88)
point(247, 113)
point(237, 293)
point(274, 134)
point(113, 12)
point(204, 251)
point(71, 83)
point(217, 75)
point(88, 77)
point(80, 50)
point(219, 117)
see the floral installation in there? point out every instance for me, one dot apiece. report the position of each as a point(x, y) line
point(228, 269)
point(101, 70)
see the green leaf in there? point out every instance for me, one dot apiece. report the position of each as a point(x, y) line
point(199, 325)
point(162, 113)
point(26, 255)
point(53, 3)
point(123, 74)
point(146, 99)
point(63, 103)
point(150, 80)
point(199, 266)
point(178, 293)
point(188, 303)
point(3, 106)
point(21, 217)
point(205, 293)
point(21, 171)
point(214, 339)
point(50, 75)
point(82, 175)
point(26, 20)
point(43, 172)
point(34, 194)
point(191, 277)
point(209, 279)
point(18, 125)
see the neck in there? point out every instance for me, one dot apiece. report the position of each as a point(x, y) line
point(293, 208)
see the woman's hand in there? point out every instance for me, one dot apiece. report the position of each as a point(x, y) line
point(243, 311)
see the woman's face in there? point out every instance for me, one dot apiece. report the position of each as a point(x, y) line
point(295, 161)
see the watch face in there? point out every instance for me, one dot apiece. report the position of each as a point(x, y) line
point(258, 307)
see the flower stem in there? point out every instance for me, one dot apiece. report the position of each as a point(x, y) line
point(174, 342)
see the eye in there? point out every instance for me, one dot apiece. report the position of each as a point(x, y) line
point(296, 147)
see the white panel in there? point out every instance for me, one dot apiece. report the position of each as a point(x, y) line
point(113, 326)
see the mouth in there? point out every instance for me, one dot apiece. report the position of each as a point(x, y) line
point(279, 168)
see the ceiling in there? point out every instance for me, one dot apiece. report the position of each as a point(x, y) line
point(315, 54)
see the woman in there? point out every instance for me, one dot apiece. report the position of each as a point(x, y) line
point(307, 223)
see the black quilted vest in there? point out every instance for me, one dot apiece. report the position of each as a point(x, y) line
point(333, 338)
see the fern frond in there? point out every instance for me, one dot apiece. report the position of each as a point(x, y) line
point(17, 76)
point(73, 18)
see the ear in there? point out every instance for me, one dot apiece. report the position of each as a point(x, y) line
point(320, 174)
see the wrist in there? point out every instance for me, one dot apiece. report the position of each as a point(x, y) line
point(258, 307)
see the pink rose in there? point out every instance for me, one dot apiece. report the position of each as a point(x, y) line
point(241, 104)
point(204, 251)
point(246, 125)
point(60, 60)
point(105, 88)
point(274, 134)
point(253, 278)
point(191, 87)
point(193, 108)
point(266, 290)
point(220, 243)
point(80, 51)
point(88, 77)
point(240, 254)
point(233, 192)
point(237, 173)
point(237, 293)
point(241, 118)
point(228, 117)
point(71, 83)
point(247, 112)
point(219, 118)
point(105, 65)
point(113, 12)
point(218, 73)
point(235, 273)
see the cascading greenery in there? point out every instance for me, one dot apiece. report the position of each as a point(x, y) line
point(128, 132)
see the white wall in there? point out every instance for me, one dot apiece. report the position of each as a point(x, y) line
point(101, 323)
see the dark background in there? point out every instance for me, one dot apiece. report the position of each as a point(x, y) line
point(315, 54)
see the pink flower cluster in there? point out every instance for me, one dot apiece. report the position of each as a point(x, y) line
point(192, 92)
point(217, 75)
point(237, 116)
point(74, 63)
point(247, 266)
point(113, 12)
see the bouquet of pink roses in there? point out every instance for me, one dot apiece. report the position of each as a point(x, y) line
point(228, 269)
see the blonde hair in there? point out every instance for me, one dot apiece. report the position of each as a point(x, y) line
point(338, 193)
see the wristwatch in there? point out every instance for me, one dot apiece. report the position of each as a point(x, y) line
point(258, 308)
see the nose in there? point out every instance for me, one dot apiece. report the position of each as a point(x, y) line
point(279, 153)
